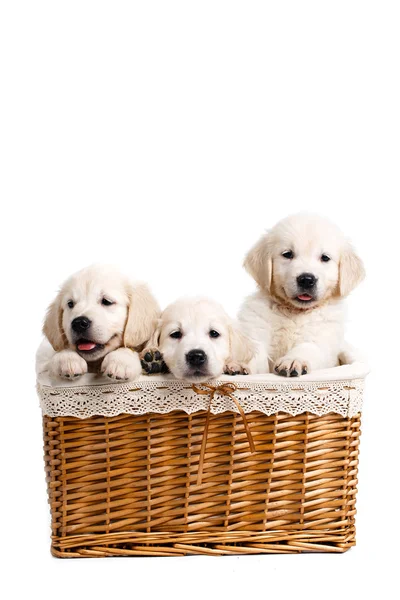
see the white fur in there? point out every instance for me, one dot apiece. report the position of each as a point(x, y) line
point(195, 318)
point(120, 328)
point(291, 335)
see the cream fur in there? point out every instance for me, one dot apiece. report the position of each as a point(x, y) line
point(195, 318)
point(124, 326)
point(292, 336)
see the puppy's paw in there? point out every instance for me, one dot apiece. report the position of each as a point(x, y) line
point(152, 362)
point(122, 365)
point(234, 368)
point(68, 365)
point(289, 367)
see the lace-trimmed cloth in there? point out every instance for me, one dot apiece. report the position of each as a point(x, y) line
point(338, 390)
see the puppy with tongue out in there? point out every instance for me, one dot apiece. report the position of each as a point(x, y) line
point(304, 267)
point(98, 323)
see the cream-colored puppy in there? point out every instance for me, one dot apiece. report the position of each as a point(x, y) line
point(197, 340)
point(97, 322)
point(304, 267)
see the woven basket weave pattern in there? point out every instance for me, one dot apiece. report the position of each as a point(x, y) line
point(127, 485)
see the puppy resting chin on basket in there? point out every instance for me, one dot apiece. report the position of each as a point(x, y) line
point(97, 322)
point(197, 341)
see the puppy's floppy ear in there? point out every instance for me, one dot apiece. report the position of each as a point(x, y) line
point(154, 340)
point(351, 271)
point(242, 349)
point(143, 314)
point(53, 328)
point(258, 263)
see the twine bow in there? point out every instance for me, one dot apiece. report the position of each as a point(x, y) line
point(225, 389)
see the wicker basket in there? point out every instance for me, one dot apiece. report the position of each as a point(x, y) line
point(278, 464)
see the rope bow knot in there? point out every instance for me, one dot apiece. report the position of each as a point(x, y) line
point(224, 389)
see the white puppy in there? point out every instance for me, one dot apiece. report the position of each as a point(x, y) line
point(304, 267)
point(197, 340)
point(97, 321)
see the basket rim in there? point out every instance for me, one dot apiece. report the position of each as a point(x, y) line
point(342, 373)
point(159, 394)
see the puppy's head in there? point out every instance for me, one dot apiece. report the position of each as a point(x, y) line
point(304, 261)
point(97, 310)
point(196, 337)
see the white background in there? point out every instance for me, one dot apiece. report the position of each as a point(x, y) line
point(166, 137)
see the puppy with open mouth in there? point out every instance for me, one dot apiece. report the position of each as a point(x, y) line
point(97, 323)
point(304, 267)
point(197, 341)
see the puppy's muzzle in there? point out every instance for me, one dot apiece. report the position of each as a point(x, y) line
point(81, 324)
point(306, 281)
point(196, 358)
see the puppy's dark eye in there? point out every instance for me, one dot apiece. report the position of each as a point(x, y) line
point(176, 335)
point(288, 254)
point(70, 304)
point(106, 302)
point(325, 258)
point(214, 334)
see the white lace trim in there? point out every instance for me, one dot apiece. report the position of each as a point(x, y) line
point(343, 397)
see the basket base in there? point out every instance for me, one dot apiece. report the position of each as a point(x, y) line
point(129, 485)
point(131, 544)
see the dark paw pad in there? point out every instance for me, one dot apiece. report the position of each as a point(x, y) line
point(152, 363)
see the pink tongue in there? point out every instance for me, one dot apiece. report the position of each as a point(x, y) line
point(86, 346)
point(304, 297)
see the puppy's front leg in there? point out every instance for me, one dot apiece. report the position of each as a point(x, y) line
point(67, 364)
point(302, 359)
point(122, 364)
point(235, 368)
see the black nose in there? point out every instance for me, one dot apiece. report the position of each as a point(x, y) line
point(81, 324)
point(306, 281)
point(195, 358)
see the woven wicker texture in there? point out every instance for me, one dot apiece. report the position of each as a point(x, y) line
point(127, 485)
